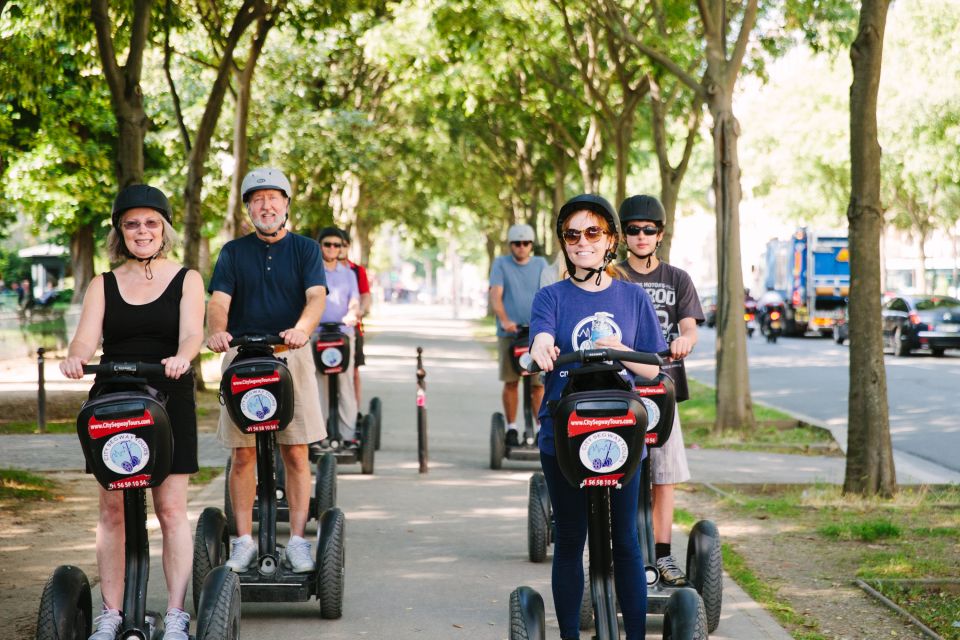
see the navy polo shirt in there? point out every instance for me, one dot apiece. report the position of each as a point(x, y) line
point(267, 283)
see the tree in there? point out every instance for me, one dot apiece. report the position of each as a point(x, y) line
point(870, 469)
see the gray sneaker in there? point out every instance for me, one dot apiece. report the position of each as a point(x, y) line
point(108, 624)
point(299, 555)
point(670, 573)
point(176, 625)
point(243, 551)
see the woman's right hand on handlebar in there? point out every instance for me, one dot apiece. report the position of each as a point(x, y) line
point(544, 352)
point(219, 342)
point(72, 367)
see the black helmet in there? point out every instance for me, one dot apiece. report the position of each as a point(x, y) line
point(600, 206)
point(330, 231)
point(642, 207)
point(140, 195)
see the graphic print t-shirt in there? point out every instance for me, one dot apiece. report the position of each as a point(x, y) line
point(674, 297)
point(577, 318)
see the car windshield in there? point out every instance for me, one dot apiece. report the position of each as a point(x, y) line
point(937, 302)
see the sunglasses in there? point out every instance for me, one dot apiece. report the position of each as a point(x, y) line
point(592, 234)
point(521, 243)
point(332, 245)
point(134, 225)
point(634, 230)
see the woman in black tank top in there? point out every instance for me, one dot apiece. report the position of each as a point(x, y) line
point(147, 309)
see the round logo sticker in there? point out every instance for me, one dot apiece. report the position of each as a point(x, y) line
point(125, 453)
point(653, 413)
point(603, 451)
point(331, 356)
point(258, 404)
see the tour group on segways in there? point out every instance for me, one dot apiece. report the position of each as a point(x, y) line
point(526, 446)
point(126, 437)
point(331, 353)
point(257, 389)
point(601, 427)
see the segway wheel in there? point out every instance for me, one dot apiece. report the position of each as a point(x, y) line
point(227, 504)
point(376, 410)
point(218, 617)
point(527, 618)
point(498, 440)
point(538, 518)
point(705, 569)
point(367, 444)
point(65, 606)
point(685, 617)
point(325, 486)
point(330, 560)
point(210, 544)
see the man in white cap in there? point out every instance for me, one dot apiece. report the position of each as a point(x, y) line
point(514, 279)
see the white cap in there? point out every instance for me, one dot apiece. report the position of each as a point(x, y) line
point(520, 233)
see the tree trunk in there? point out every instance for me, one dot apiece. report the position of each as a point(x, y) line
point(870, 469)
point(81, 260)
point(193, 217)
point(734, 405)
point(126, 97)
point(236, 223)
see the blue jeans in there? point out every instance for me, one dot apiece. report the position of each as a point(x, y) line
point(570, 514)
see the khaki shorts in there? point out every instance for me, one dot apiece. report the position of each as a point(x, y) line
point(505, 355)
point(668, 464)
point(307, 425)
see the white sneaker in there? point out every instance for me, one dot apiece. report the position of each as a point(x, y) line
point(299, 555)
point(243, 551)
point(108, 624)
point(176, 625)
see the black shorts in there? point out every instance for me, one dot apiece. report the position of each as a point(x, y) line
point(358, 358)
point(182, 409)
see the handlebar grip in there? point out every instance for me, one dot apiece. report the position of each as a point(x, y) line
point(256, 338)
point(598, 355)
point(126, 368)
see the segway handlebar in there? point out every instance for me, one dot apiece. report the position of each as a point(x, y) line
point(135, 369)
point(256, 338)
point(588, 356)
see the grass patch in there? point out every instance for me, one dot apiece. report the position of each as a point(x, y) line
point(776, 432)
point(761, 591)
point(878, 539)
point(29, 428)
point(22, 486)
point(205, 475)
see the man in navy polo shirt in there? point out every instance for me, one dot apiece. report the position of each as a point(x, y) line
point(270, 282)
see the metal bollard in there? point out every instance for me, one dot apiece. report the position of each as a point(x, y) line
point(421, 412)
point(41, 393)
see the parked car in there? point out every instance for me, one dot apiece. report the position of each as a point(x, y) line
point(931, 323)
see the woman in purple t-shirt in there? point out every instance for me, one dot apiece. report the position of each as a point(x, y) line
point(591, 309)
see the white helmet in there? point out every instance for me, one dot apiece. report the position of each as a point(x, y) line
point(520, 233)
point(265, 178)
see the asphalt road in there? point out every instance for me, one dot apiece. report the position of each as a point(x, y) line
point(809, 377)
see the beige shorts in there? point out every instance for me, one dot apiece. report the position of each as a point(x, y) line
point(668, 464)
point(505, 355)
point(307, 425)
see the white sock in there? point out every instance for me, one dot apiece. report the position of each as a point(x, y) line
point(512, 426)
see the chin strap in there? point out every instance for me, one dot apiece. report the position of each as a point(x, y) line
point(598, 271)
point(279, 229)
point(146, 261)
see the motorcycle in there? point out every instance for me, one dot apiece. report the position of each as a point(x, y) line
point(750, 317)
point(771, 323)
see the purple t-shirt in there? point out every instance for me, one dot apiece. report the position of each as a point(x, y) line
point(575, 318)
point(342, 287)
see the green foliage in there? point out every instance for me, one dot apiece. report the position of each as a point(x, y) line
point(22, 486)
point(867, 531)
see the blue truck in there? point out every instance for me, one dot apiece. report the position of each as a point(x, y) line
point(811, 271)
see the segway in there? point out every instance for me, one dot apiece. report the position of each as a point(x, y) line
point(331, 353)
point(600, 424)
point(526, 448)
point(127, 442)
point(324, 491)
point(257, 389)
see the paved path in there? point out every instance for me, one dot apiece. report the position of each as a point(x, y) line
point(436, 556)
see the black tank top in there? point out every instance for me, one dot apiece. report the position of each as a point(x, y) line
point(141, 332)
